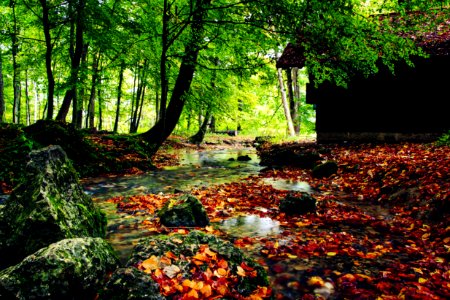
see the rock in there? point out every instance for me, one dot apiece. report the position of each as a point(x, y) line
point(244, 158)
point(186, 246)
point(325, 169)
point(185, 210)
point(298, 203)
point(131, 283)
point(48, 206)
point(70, 269)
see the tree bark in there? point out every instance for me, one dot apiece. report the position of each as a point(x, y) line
point(119, 96)
point(48, 59)
point(164, 127)
point(296, 109)
point(2, 88)
point(16, 71)
point(76, 51)
point(27, 100)
point(287, 112)
point(200, 135)
point(94, 81)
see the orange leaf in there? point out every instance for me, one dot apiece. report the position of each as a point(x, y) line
point(201, 257)
point(222, 289)
point(171, 255)
point(222, 264)
point(193, 294)
point(206, 290)
point(150, 263)
point(220, 272)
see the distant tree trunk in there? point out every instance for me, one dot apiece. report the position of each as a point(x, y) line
point(100, 111)
point(119, 96)
point(91, 105)
point(212, 126)
point(37, 106)
point(296, 109)
point(164, 127)
point(80, 96)
point(2, 88)
point(48, 59)
point(293, 104)
point(141, 82)
point(140, 107)
point(200, 135)
point(16, 71)
point(27, 100)
point(75, 51)
point(287, 112)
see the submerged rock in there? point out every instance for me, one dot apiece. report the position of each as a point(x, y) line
point(298, 203)
point(185, 210)
point(48, 206)
point(325, 169)
point(70, 269)
point(182, 249)
point(244, 158)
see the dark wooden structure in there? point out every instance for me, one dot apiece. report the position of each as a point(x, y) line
point(413, 105)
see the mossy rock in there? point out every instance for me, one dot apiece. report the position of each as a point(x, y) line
point(298, 204)
point(325, 169)
point(188, 245)
point(185, 210)
point(130, 284)
point(70, 269)
point(48, 206)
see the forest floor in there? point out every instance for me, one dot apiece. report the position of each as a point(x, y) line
point(381, 229)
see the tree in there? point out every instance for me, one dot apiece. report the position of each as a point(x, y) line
point(2, 95)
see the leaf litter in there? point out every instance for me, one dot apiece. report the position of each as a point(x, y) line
point(381, 229)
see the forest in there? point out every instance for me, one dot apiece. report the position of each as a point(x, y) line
point(151, 149)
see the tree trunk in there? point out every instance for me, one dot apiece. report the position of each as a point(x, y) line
point(76, 52)
point(200, 135)
point(16, 71)
point(293, 104)
point(164, 127)
point(296, 109)
point(37, 106)
point(287, 113)
point(163, 63)
point(48, 59)
point(91, 105)
point(2, 88)
point(119, 97)
point(27, 100)
point(100, 111)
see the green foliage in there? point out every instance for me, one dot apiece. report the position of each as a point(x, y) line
point(444, 140)
point(14, 149)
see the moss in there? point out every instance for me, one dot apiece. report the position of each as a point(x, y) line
point(186, 210)
point(188, 245)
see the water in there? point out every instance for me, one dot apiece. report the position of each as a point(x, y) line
point(196, 169)
point(250, 225)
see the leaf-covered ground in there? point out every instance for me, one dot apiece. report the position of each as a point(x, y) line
point(381, 230)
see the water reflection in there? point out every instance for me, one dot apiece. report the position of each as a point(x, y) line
point(250, 225)
point(289, 185)
point(196, 169)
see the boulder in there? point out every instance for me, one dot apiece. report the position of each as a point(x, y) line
point(325, 169)
point(47, 206)
point(185, 210)
point(184, 250)
point(298, 204)
point(70, 269)
point(131, 283)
